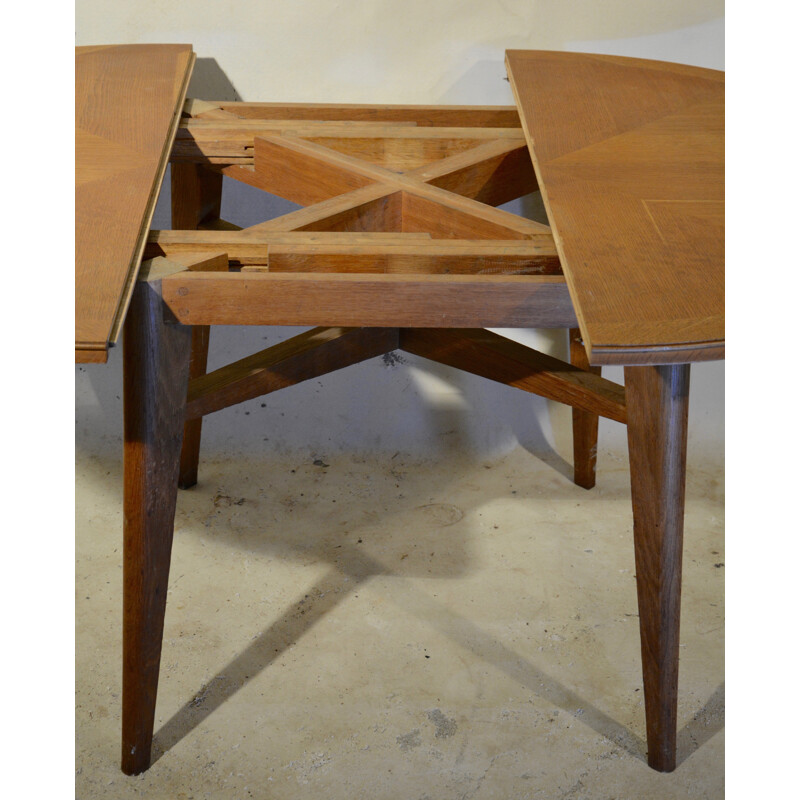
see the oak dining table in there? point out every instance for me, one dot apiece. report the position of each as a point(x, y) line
point(399, 244)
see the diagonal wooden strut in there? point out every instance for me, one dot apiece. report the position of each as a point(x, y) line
point(309, 355)
point(492, 173)
point(489, 355)
point(478, 351)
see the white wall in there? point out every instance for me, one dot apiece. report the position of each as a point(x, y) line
point(390, 51)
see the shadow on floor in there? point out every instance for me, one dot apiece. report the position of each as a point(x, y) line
point(353, 571)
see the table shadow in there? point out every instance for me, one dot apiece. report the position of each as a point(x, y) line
point(354, 569)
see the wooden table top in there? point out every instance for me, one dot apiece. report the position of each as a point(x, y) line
point(630, 159)
point(128, 100)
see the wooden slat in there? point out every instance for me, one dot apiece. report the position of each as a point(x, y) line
point(401, 153)
point(309, 355)
point(395, 146)
point(215, 114)
point(412, 253)
point(210, 127)
point(630, 157)
point(477, 116)
point(242, 238)
point(492, 356)
point(197, 298)
point(465, 258)
point(127, 105)
point(230, 140)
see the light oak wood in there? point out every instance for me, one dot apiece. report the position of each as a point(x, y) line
point(449, 116)
point(373, 208)
point(193, 107)
point(295, 174)
point(350, 194)
point(323, 252)
point(396, 146)
point(449, 217)
point(123, 136)
point(493, 173)
point(630, 157)
point(310, 172)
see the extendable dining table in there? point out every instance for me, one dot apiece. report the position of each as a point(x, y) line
point(399, 244)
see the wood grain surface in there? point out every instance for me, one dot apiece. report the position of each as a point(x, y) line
point(155, 379)
point(128, 100)
point(658, 404)
point(585, 424)
point(478, 116)
point(353, 299)
point(195, 197)
point(629, 155)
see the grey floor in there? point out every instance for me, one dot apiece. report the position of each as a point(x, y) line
point(379, 627)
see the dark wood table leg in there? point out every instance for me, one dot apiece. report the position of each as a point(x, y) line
point(193, 428)
point(155, 364)
point(196, 197)
point(584, 423)
point(658, 402)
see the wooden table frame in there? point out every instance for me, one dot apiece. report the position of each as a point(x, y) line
point(399, 245)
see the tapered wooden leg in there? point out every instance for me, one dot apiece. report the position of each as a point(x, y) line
point(196, 194)
point(657, 399)
point(192, 428)
point(584, 423)
point(155, 364)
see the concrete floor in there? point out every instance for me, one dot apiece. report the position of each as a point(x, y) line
point(366, 627)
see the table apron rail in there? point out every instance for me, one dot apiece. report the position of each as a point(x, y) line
point(431, 301)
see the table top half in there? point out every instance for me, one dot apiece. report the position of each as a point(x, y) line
point(128, 100)
point(630, 158)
